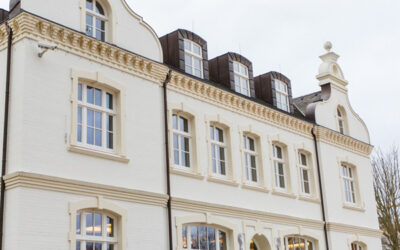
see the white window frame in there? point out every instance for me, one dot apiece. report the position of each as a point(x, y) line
point(348, 179)
point(96, 16)
point(276, 161)
point(216, 145)
point(192, 55)
point(82, 238)
point(286, 243)
point(182, 134)
point(84, 105)
point(341, 121)
point(307, 168)
point(217, 231)
point(282, 95)
point(238, 75)
point(357, 246)
point(247, 154)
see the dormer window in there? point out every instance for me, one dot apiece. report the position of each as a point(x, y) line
point(193, 59)
point(340, 118)
point(282, 95)
point(95, 20)
point(241, 78)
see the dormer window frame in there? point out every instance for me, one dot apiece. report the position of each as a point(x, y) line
point(282, 94)
point(193, 55)
point(94, 16)
point(238, 74)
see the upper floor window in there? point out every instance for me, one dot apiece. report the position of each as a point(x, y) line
point(279, 166)
point(181, 140)
point(298, 243)
point(204, 237)
point(282, 95)
point(356, 246)
point(95, 117)
point(341, 122)
point(218, 150)
point(95, 230)
point(348, 183)
point(304, 173)
point(193, 59)
point(241, 78)
point(250, 162)
point(95, 20)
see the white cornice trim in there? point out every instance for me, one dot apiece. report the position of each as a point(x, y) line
point(350, 229)
point(51, 183)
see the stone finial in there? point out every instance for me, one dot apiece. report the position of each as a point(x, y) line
point(328, 46)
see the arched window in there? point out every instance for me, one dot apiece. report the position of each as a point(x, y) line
point(204, 237)
point(357, 246)
point(241, 78)
point(341, 121)
point(96, 19)
point(298, 243)
point(95, 230)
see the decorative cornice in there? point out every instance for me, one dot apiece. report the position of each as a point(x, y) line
point(44, 182)
point(26, 25)
point(334, 138)
point(350, 229)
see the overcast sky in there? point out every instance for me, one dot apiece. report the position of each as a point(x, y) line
point(288, 36)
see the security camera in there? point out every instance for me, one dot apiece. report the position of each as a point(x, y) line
point(45, 48)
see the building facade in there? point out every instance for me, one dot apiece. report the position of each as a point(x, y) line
point(249, 166)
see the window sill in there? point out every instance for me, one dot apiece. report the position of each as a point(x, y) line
point(222, 181)
point(353, 207)
point(284, 194)
point(178, 171)
point(309, 199)
point(256, 188)
point(97, 153)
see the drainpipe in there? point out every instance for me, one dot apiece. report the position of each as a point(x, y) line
point(320, 188)
point(167, 80)
point(5, 131)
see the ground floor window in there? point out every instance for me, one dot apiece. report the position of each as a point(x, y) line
point(356, 246)
point(95, 231)
point(203, 237)
point(253, 245)
point(298, 243)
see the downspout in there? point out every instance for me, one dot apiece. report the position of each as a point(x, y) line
point(5, 131)
point(320, 188)
point(167, 80)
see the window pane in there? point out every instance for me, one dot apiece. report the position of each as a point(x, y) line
point(188, 62)
point(194, 243)
point(211, 239)
point(78, 224)
point(89, 245)
point(97, 97)
point(203, 237)
point(110, 247)
point(303, 159)
point(89, 4)
point(98, 120)
point(197, 72)
point(236, 67)
point(89, 20)
point(109, 100)
point(184, 237)
point(278, 152)
point(222, 240)
point(184, 144)
point(212, 132)
point(80, 92)
point(98, 138)
point(78, 245)
point(183, 124)
point(222, 153)
point(89, 223)
point(110, 140)
point(223, 172)
point(251, 144)
point(310, 245)
point(220, 135)
point(174, 122)
point(100, 35)
point(196, 49)
point(97, 246)
point(110, 125)
point(254, 174)
point(90, 136)
point(99, 9)
point(110, 227)
point(97, 224)
point(90, 95)
point(187, 45)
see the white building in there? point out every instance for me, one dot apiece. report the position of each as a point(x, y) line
point(85, 164)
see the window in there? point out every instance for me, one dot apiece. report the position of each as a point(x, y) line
point(340, 121)
point(95, 118)
point(193, 58)
point(356, 246)
point(203, 237)
point(95, 20)
point(298, 243)
point(304, 173)
point(282, 96)
point(250, 154)
point(241, 78)
point(218, 150)
point(95, 231)
point(279, 166)
point(348, 183)
point(181, 140)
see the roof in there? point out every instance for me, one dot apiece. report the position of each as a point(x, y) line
point(302, 102)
